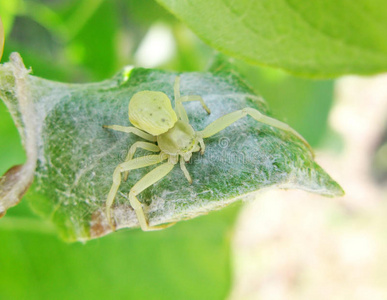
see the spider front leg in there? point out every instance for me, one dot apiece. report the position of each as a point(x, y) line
point(230, 118)
point(145, 182)
point(184, 169)
point(179, 108)
point(136, 163)
point(202, 145)
point(143, 145)
point(195, 98)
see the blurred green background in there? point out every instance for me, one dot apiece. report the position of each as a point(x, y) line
point(83, 41)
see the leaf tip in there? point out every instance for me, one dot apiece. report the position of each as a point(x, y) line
point(339, 191)
point(333, 189)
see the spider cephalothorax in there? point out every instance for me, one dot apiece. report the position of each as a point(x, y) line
point(156, 121)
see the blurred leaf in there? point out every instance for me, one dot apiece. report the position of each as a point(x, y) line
point(84, 11)
point(189, 261)
point(1, 39)
point(8, 11)
point(317, 38)
point(147, 12)
point(93, 45)
point(302, 103)
point(379, 161)
point(61, 127)
point(34, 37)
point(12, 152)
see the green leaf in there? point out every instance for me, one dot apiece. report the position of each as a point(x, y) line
point(302, 102)
point(1, 39)
point(73, 158)
point(313, 38)
point(190, 261)
point(95, 41)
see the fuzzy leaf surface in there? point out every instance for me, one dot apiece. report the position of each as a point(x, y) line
point(73, 157)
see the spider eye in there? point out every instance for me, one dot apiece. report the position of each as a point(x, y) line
point(152, 112)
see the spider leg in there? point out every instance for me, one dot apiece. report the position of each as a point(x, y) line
point(230, 118)
point(132, 150)
point(136, 163)
point(184, 169)
point(195, 98)
point(152, 177)
point(202, 146)
point(179, 108)
point(134, 130)
point(176, 87)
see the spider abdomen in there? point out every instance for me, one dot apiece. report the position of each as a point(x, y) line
point(152, 112)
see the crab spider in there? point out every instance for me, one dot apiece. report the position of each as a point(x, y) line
point(168, 133)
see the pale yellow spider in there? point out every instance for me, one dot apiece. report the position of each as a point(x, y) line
point(157, 122)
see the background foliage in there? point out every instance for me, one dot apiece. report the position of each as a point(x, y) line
point(314, 38)
point(82, 41)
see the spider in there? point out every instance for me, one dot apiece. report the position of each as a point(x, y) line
point(169, 134)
